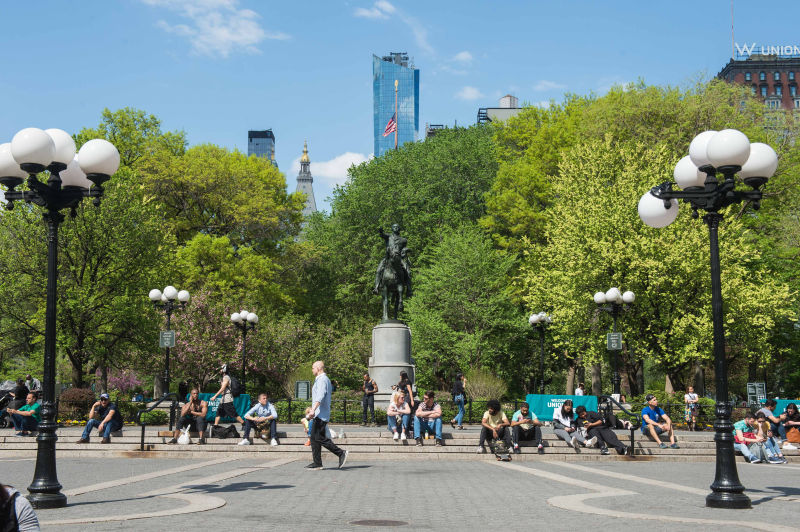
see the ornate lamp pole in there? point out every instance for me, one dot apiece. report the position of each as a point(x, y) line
point(712, 154)
point(31, 152)
point(166, 301)
point(616, 303)
point(244, 321)
point(540, 321)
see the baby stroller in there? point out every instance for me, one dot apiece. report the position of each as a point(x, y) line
point(6, 387)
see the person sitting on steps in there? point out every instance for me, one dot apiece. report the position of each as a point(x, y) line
point(595, 425)
point(105, 416)
point(494, 425)
point(398, 414)
point(656, 422)
point(193, 415)
point(428, 418)
point(26, 419)
point(565, 426)
point(525, 426)
point(261, 414)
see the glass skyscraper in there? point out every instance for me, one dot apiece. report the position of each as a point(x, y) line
point(261, 144)
point(385, 70)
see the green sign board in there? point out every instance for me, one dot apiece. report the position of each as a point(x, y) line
point(302, 390)
point(614, 341)
point(166, 339)
point(544, 405)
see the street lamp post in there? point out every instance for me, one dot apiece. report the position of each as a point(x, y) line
point(616, 302)
point(31, 152)
point(712, 154)
point(244, 321)
point(540, 321)
point(166, 301)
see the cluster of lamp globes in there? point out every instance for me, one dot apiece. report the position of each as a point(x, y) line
point(33, 150)
point(709, 151)
point(541, 317)
point(170, 293)
point(244, 317)
point(613, 295)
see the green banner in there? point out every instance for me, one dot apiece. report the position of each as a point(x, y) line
point(543, 405)
point(241, 404)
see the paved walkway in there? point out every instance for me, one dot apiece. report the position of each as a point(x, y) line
point(246, 494)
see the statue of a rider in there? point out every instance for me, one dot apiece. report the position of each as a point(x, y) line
point(399, 243)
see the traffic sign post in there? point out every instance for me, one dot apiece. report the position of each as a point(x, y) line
point(614, 341)
point(166, 339)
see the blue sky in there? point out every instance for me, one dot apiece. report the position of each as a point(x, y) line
point(216, 68)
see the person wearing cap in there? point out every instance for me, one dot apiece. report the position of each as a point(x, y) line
point(656, 422)
point(105, 416)
point(225, 408)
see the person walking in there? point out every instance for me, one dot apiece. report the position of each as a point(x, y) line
point(370, 388)
point(320, 412)
point(459, 398)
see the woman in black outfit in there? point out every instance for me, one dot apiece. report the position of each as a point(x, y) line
point(459, 398)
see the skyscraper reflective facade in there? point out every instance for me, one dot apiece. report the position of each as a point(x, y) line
point(261, 144)
point(385, 70)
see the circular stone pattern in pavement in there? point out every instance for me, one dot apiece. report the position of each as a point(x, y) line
point(378, 522)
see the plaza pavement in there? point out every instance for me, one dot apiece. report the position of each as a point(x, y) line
point(250, 493)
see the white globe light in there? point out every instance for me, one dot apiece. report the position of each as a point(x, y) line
point(33, 145)
point(65, 146)
point(171, 292)
point(697, 148)
point(653, 213)
point(628, 297)
point(763, 161)
point(73, 176)
point(155, 294)
point(600, 298)
point(236, 318)
point(252, 318)
point(728, 147)
point(8, 166)
point(244, 314)
point(533, 319)
point(183, 296)
point(164, 298)
point(99, 156)
point(613, 294)
point(687, 175)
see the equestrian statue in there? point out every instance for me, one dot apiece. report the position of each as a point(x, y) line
point(393, 278)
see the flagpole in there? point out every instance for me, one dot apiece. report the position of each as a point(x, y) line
point(396, 118)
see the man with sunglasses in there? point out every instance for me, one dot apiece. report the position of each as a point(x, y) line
point(105, 416)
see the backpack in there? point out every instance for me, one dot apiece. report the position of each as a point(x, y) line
point(8, 513)
point(218, 431)
point(236, 387)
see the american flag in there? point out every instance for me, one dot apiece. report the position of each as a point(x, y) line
point(391, 127)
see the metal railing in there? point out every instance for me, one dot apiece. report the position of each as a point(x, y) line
point(170, 396)
point(606, 403)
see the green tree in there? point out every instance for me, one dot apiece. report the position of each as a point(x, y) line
point(462, 313)
point(595, 240)
point(426, 187)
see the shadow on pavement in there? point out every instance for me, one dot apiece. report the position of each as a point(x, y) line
point(773, 492)
point(237, 486)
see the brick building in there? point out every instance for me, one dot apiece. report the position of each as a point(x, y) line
point(772, 78)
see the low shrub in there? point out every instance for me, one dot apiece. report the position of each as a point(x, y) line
point(74, 403)
point(155, 417)
point(482, 384)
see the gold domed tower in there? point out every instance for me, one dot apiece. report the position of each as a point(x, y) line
point(305, 182)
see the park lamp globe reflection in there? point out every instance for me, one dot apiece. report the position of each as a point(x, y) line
point(709, 180)
point(71, 178)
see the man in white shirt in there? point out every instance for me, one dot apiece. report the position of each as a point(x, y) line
point(261, 414)
point(321, 394)
point(580, 390)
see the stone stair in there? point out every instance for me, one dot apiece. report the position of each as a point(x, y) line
point(363, 443)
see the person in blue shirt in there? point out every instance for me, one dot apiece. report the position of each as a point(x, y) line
point(261, 413)
point(321, 394)
point(656, 422)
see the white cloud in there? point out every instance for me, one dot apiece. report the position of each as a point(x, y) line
point(463, 57)
point(332, 172)
point(469, 93)
point(545, 85)
point(382, 9)
point(216, 27)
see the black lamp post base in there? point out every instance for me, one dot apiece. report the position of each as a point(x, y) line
point(728, 500)
point(46, 501)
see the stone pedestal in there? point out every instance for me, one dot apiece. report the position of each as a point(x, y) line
point(391, 354)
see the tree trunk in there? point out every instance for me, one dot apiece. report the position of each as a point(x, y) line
point(158, 387)
point(668, 385)
point(104, 379)
point(699, 378)
point(597, 383)
point(625, 371)
point(570, 375)
point(77, 376)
